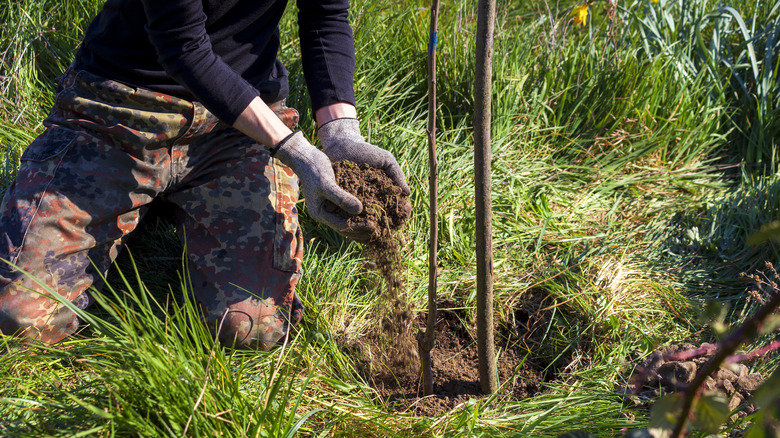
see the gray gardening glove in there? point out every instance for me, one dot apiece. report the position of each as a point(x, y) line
point(341, 140)
point(318, 182)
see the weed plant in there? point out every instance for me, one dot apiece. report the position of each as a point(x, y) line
point(632, 158)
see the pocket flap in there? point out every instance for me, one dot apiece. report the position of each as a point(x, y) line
point(48, 145)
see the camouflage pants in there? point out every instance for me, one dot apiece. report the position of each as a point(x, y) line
point(108, 150)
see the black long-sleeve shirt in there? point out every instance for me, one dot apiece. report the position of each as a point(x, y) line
point(221, 53)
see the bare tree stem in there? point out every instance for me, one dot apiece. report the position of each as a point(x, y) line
point(484, 213)
point(425, 340)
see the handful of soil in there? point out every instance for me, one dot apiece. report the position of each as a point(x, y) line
point(385, 207)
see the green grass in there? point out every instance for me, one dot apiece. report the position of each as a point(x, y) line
point(628, 171)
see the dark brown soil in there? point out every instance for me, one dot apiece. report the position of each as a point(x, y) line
point(673, 367)
point(455, 372)
point(388, 359)
point(385, 208)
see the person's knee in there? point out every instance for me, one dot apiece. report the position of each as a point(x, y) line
point(36, 317)
point(48, 331)
point(240, 329)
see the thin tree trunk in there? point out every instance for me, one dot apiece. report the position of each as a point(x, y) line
point(425, 340)
point(484, 213)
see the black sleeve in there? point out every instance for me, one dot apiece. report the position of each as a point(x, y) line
point(176, 28)
point(328, 51)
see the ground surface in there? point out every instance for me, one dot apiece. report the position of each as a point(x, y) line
point(455, 372)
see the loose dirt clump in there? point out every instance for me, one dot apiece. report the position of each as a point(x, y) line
point(673, 367)
point(385, 207)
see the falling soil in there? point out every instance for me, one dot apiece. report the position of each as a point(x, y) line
point(388, 358)
point(673, 367)
point(385, 210)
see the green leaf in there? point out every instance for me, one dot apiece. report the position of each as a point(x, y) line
point(665, 411)
point(766, 422)
point(756, 430)
point(293, 430)
point(711, 412)
point(767, 395)
point(772, 322)
point(664, 414)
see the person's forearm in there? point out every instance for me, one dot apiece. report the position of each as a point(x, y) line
point(335, 111)
point(259, 122)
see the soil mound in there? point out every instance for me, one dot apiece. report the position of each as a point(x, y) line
point(455, 371)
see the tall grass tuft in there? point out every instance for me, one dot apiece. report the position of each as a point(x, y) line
point(735, 48)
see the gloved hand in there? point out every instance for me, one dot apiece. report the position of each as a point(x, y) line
point(318, 182)
point(341, 140)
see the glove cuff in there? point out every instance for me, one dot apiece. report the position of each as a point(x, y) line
point(274, 149)
point(339, 119)
point(345, 128)
point(294, 150)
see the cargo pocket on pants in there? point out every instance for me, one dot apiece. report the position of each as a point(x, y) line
point(39, 162)
point(48, 145)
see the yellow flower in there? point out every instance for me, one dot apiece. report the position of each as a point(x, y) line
point(580, 14)
point(654, 1)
